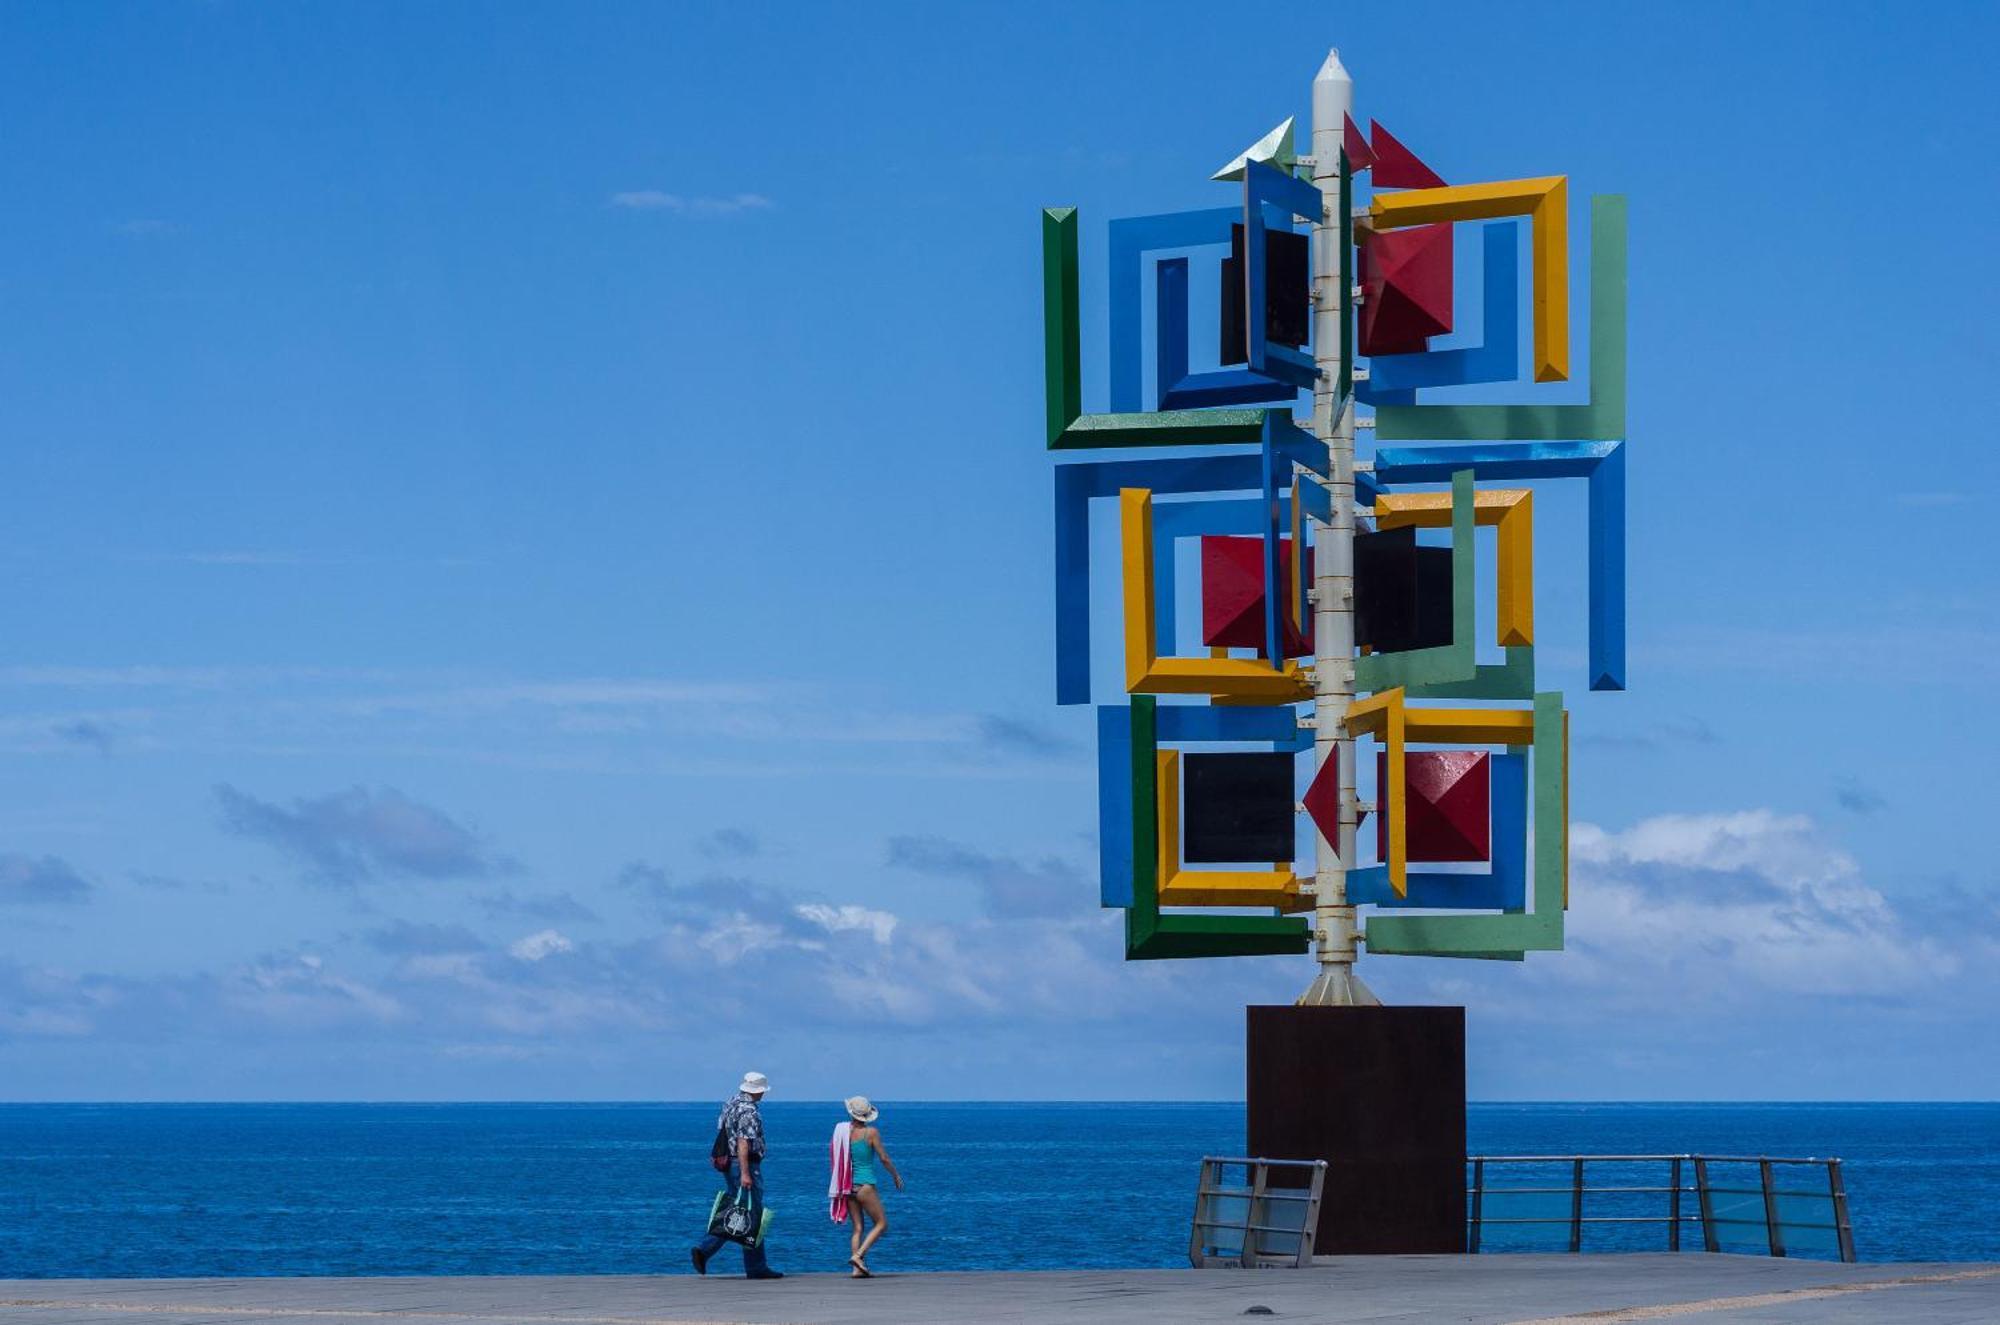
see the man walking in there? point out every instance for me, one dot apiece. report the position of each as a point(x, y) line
point(742, 1128)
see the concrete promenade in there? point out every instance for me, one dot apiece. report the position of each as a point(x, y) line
point(1497, 1289)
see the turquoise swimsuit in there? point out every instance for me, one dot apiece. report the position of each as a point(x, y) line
point(861, 1159)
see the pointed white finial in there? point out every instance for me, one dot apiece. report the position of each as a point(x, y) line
point(1333, 71)
point(1275, 147)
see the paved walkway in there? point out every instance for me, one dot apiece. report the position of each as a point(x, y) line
point(1509, 1289)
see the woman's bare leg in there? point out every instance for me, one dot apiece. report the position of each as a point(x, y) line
point(854, 1230)
point(871, 1201)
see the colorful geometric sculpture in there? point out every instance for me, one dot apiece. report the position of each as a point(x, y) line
point(1238, 807)
point(1447, 805)
point(1232, 595)
point(1185, 830)
point(1396, 166)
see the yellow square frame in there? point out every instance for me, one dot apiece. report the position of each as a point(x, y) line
point(1545, 202)
point(1511, 512)
point(1242, 680)
point(1178, 887)
point(1385, 717)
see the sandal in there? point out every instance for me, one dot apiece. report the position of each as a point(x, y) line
point(860, 1271)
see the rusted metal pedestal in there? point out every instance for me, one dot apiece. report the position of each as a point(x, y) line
point(1379, 1094)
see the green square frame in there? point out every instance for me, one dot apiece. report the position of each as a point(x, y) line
point(1150, 934)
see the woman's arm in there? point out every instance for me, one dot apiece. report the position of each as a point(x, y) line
point(875, 1140)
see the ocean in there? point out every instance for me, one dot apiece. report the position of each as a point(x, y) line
point(366, 1189)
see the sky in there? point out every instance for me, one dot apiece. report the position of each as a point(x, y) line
point(526, 547)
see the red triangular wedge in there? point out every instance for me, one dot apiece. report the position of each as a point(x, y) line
point(1396, 166)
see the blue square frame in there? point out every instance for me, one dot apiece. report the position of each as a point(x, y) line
point(1503, 888)
point(1393, 379)
point(1130, 238)
point(1264, 186)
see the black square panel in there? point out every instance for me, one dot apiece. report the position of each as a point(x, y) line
point(1402, 592)
point(1237, 808)
point(1287, 292)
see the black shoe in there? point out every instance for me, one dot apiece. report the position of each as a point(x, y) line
point(700, 1261)
point(766, 1274)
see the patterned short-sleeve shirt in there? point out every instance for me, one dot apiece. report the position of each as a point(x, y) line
point(740, 1119)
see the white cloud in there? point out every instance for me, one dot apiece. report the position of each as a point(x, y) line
point(835, 919)
point(655, 200)
point(543, 943)
point(1732, 902)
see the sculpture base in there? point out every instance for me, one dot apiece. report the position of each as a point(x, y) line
point(1379, 1094)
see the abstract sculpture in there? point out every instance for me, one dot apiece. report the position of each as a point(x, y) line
point(1337, 591)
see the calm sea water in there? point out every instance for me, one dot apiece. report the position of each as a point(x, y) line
point(113, 1190)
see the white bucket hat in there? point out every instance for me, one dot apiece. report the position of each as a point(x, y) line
point(754, 1083)
point(861, 1111)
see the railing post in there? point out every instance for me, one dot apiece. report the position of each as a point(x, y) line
point(1252, 1240)
point(1674, 1209)
point(1201, 1203)
point(1844, 1230)
point(1771, 1209)
point(1576, 1205)
point(1478, 1201)
point(1705, 1202)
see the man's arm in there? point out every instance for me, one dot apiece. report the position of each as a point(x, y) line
point(743, 1157)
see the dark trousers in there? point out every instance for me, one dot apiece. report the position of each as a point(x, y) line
point(753, 1257)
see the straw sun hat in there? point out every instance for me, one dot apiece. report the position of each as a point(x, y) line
point(861, 1111)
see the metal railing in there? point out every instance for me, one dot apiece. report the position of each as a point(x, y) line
point(1730, 1212)
point(1255, 1222)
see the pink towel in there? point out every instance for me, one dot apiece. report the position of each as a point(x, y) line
point(842, 1185)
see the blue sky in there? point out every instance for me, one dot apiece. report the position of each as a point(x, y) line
point(527, 549)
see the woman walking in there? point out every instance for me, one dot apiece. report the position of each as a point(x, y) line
point(864, 1143)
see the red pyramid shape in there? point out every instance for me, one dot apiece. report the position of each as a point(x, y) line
point(1396, 166)
point(1232, 594)
point(1406, 280)
point(1322, 801)
point(1447, 805)
point(1359, 155)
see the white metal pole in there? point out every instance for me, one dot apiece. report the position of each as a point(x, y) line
point(1333, 566)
